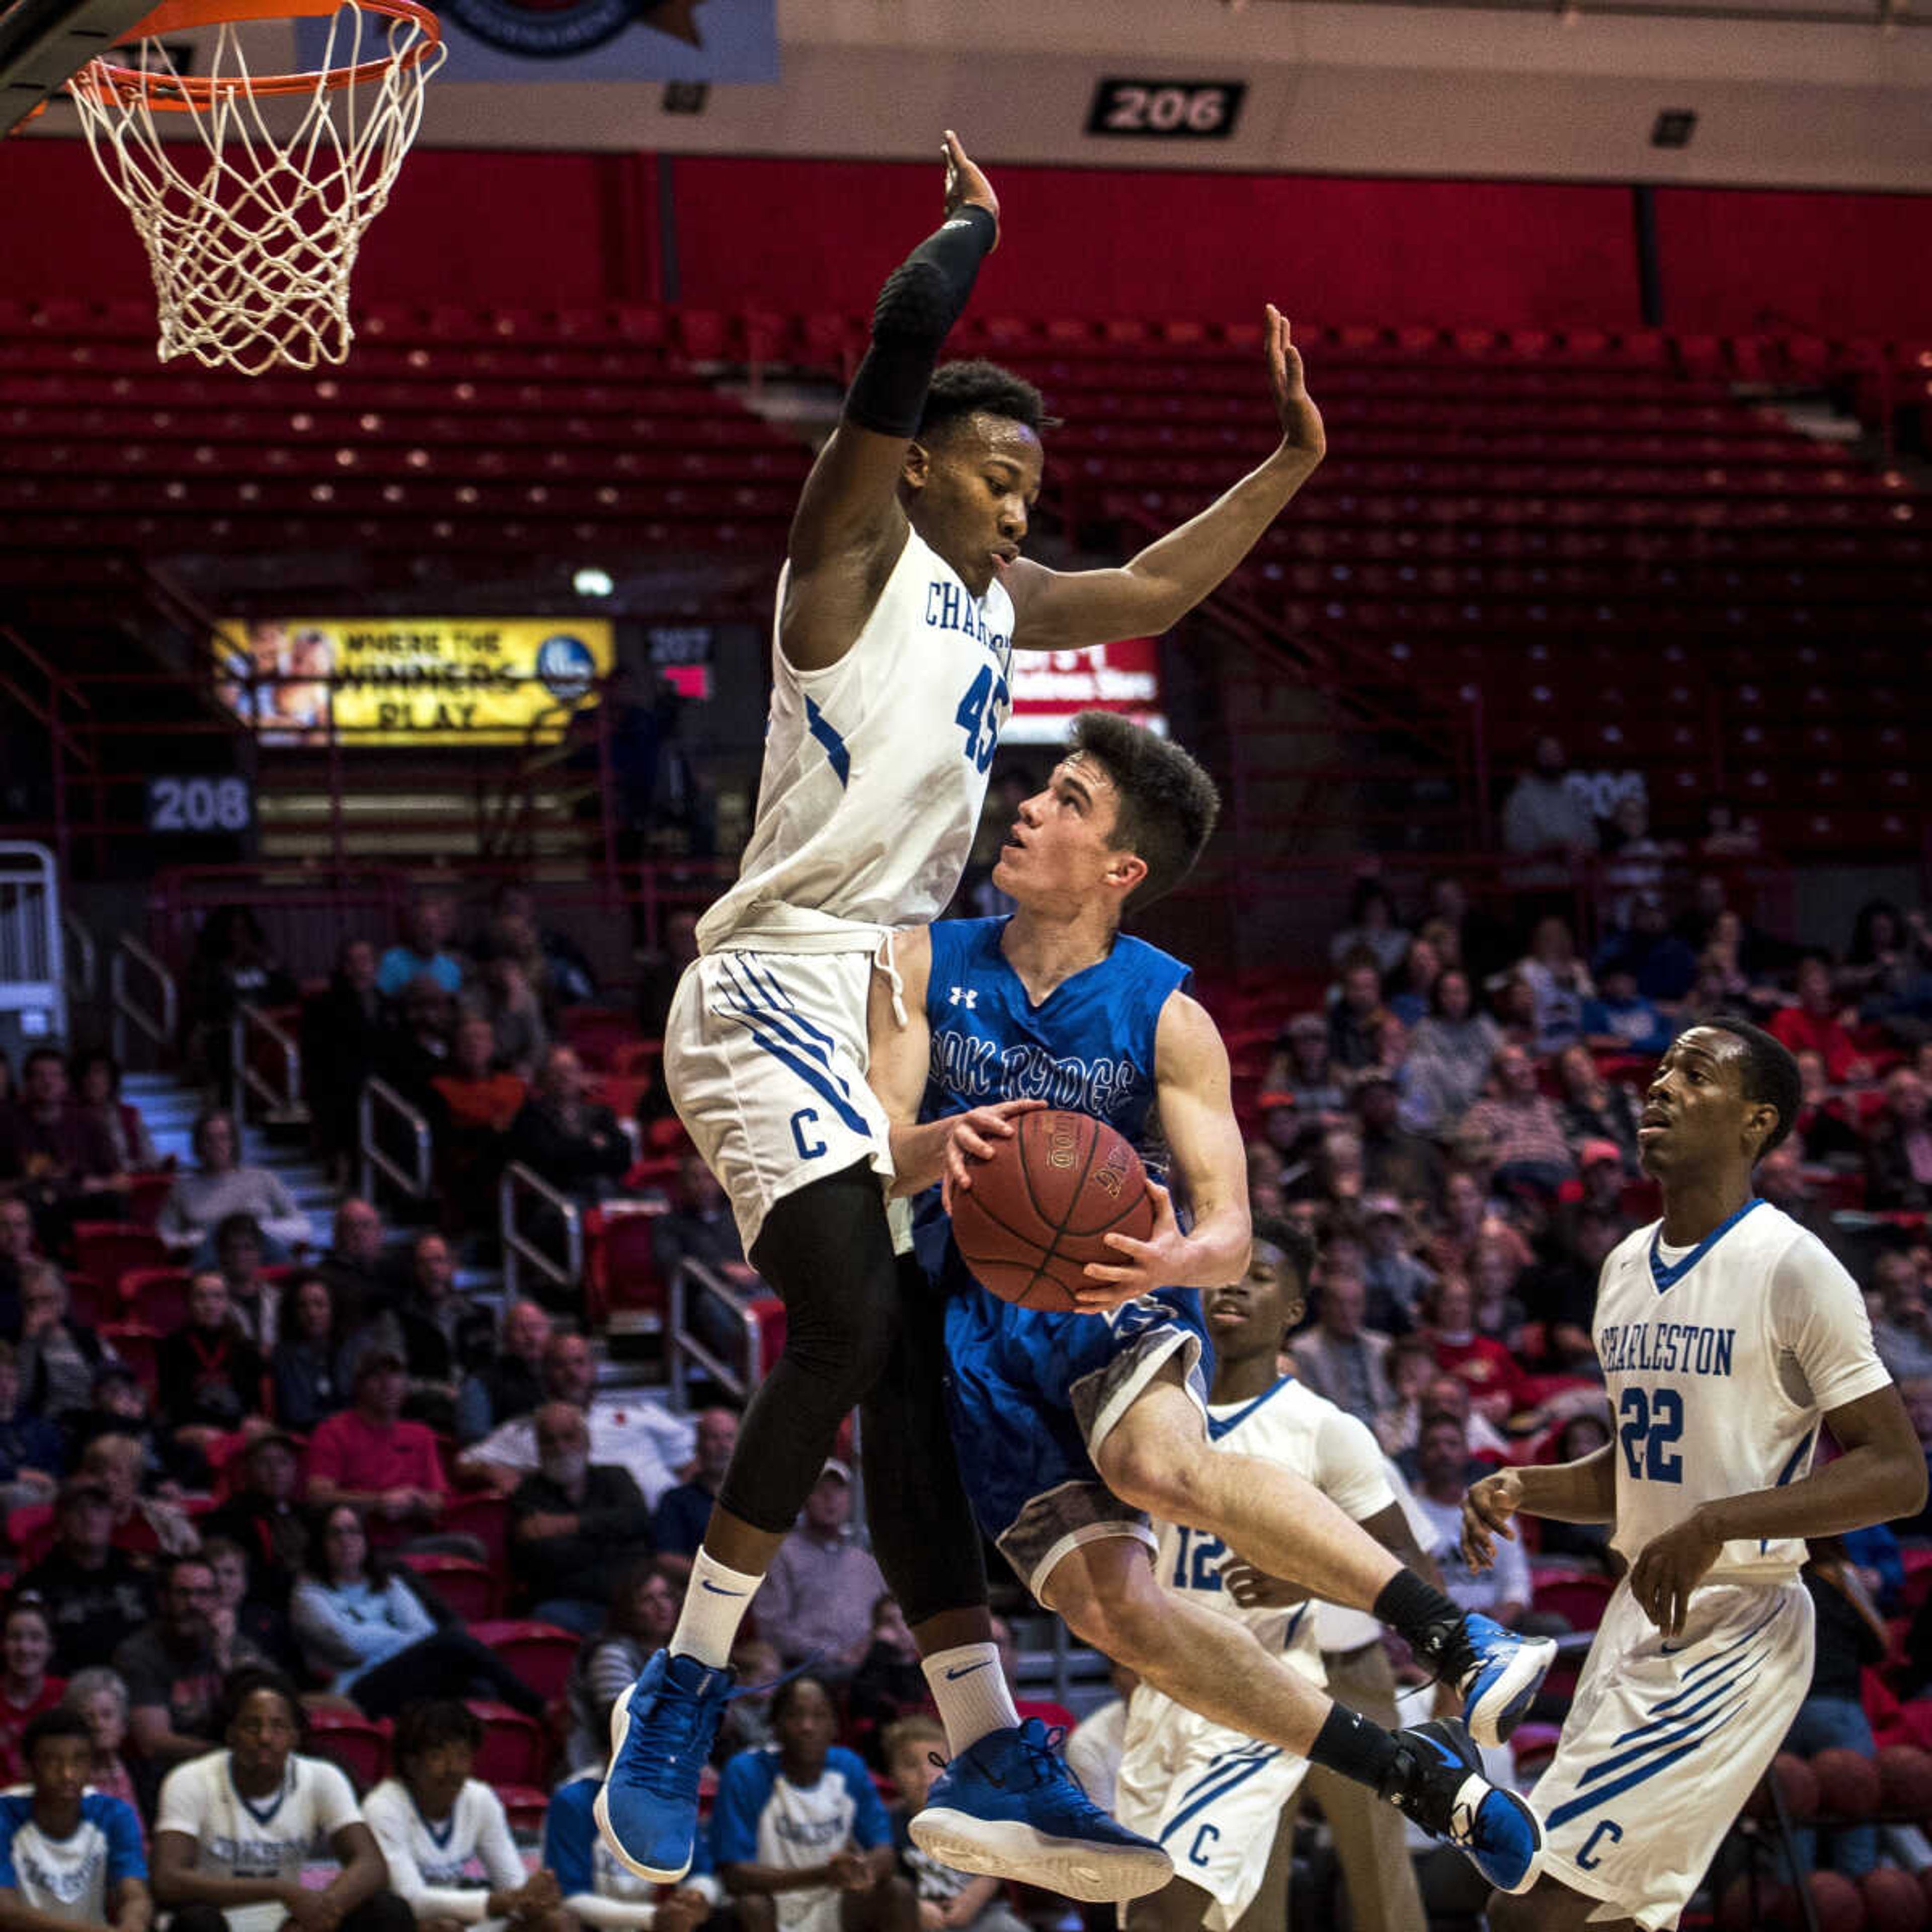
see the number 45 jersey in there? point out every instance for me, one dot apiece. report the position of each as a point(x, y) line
point(1720, 1360)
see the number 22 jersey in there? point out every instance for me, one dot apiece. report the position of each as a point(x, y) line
point(1719, 1362)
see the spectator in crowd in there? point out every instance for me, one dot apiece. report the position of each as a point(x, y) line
point(94, 1594)
point(642, 1436)
point(818, 1594)
point(208, 1372)
point(1477, 941)
point(1898, 1148)
point(255, 1301)
point(237, 1829)
point(1580, 1542)
point(1352, 1014)
point(604, 1896)
point(433, 1819)
point(199, 1201)
point(1902, 1333)
point(1340, 1358)
point(1408, 1367)
point(1636, 863)
point(343, 1047)
point(1451, 1053)
point(96, 1087)
point(232, 965)
point(949, 1900)
point(20, 1251)
point(1781, 1179)
point(1497, 1384)
point(362, 1625)
point(1046, 1709)
point(58, 1355)
point(748, 1717)
point(504, 996)
point(1502, 1591)
point(660, 968)
point(1664, 962)
point(1814, 1020)
point(511, 1383)
point(1563, 1291)
point(828, 1867)
point(1884, 969)
point(1619, 1019)
point(1826, 1128)
point(1521, 1127)
point(173, 1667)
point(416, 1046)
point(97, 1696)
point(1299, 1071)
point(1591, 1109)
point(1413, 984)
point(553, 961)
point(31, 1454)
point(423, 952)
point(139, 1523)
point(1334, 1176)
point(1394, 1160)
point(1545, 812)
point(164, 1465)
point(888, 1683)
point(1497, 1310)
point(302, 1367)
point(1558, 982)
point(442, 1332)
point(1393, 1276)
point(69, 1855)
point(677, 1525)
point(1372, 927)
point(574, 1143)
point(356, 1265)
point(239, 1618)
point(575, 1525)
point(27, 1687)
point(477, 1100)
point(638, 1620)
point(261, 1517)
point(368, 1457)
point(54, 1155)
point(699, 1225)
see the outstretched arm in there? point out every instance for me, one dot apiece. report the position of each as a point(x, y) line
point(1064, 611)
point(849, 528)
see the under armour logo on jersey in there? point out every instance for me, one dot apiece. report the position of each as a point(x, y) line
point(967, 997)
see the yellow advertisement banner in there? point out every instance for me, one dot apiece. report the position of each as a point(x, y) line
point(410, 680)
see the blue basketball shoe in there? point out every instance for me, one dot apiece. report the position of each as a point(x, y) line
point(661, 1731)
point(1008, 1807)
point(1498, 1672)
point(1438, 1780)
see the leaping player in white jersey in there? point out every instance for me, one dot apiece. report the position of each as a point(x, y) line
point(903, 597)
point(1727, 1334)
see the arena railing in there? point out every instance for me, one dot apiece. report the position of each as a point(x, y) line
point(379, 1098)
point(281, 1097)
point(692, 1286)
point(518, 1184)
point(33, 980)
point(158, 1021)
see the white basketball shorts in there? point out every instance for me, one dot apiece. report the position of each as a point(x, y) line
point(1211, 1798)
point(1664, 1741)
point(765, 1057)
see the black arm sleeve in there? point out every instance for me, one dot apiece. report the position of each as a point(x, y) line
point(923, 297)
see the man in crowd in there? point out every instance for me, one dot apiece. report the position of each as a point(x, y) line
point(510, 1383)
point(574, 1143)
point(677, 1528)
point(575, 1525)
point(368, 1455)
point(53, 1154)
point(1502, 1591)
point(1544, 812)
point(96, 1595)
point(173, 1667)
point(1340, 1358)
point(1521, 1127)
point(423, 952)
point(261, 1515)
point(819, 1592)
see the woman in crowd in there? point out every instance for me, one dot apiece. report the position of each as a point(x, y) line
point(643, 1613)
point(58, 1355)
point(1410, 986)
point(1300, 1069)
point(1371, 924)
point(1450, 1051)
point(96, 1087)
point(26, 1690)
point(1559, 982)
point(362, 1625)
point(308, 1384)
point(1591, 1109)
point(208, 1372)
point(100, 1697)
point(221, 1186)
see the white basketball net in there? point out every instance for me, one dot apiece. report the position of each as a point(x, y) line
point(251, 233)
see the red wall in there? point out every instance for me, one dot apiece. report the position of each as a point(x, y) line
point(1087, 242)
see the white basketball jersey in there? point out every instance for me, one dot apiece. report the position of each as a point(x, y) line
point(1291, 1426)
point(875, 768)
point(1718, 1367)
point(446, 1870)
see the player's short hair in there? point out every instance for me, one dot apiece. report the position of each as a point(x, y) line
point(428, 1723)
point(1768, 1073)
point(1296, 1245)
point(958, 390)
point(1167, 804)
point(60, 1722)
point(241, 1683)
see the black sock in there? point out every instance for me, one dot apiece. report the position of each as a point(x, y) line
point(1418, 1612)
point(1352, 1746)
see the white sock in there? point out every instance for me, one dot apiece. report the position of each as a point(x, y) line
point(971, 1689)
point(714, 1603)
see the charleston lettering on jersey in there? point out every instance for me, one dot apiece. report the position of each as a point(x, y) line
point(1665, 1348)
point(948, 607)
point(982, 1070)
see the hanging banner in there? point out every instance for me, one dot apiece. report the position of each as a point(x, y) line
point(1050, 686)
point(411, 680)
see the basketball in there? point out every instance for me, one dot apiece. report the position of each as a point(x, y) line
point(1797, 1784)
point(1848, 1783)
point(1038, 1211)
point(1905, 1780)
point(1894, 1901)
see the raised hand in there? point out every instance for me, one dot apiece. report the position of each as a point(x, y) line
point(1301, 429)
point(966, 186)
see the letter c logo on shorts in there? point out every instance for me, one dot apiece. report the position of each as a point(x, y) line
point(1197, 1852)
point(1587, 1858)
point(798, 1124)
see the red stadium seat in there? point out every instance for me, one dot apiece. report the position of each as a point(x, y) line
point(108, 1250)
point(485, 1517)
point(465, 1586)
point(1580, 1597)
point(540, 1653)
point(156, 1298)
point(137, 1346)
point(358, 1745)
point(514, 1751)
point(146, 1195)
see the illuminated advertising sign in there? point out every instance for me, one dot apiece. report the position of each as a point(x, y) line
point(1050, 686)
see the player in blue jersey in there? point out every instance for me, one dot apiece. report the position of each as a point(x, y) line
point(1071, 1429)
point(69, 1856)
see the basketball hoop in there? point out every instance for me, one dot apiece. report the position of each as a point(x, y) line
point(251, 234)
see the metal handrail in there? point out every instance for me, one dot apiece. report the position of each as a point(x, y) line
point(160, 1029)
point(281, 1103)
point(375, 1160)
point(83, 960)
point(517, 1251)
point(685, 1351)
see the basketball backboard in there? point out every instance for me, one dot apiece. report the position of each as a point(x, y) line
point(43, 42)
